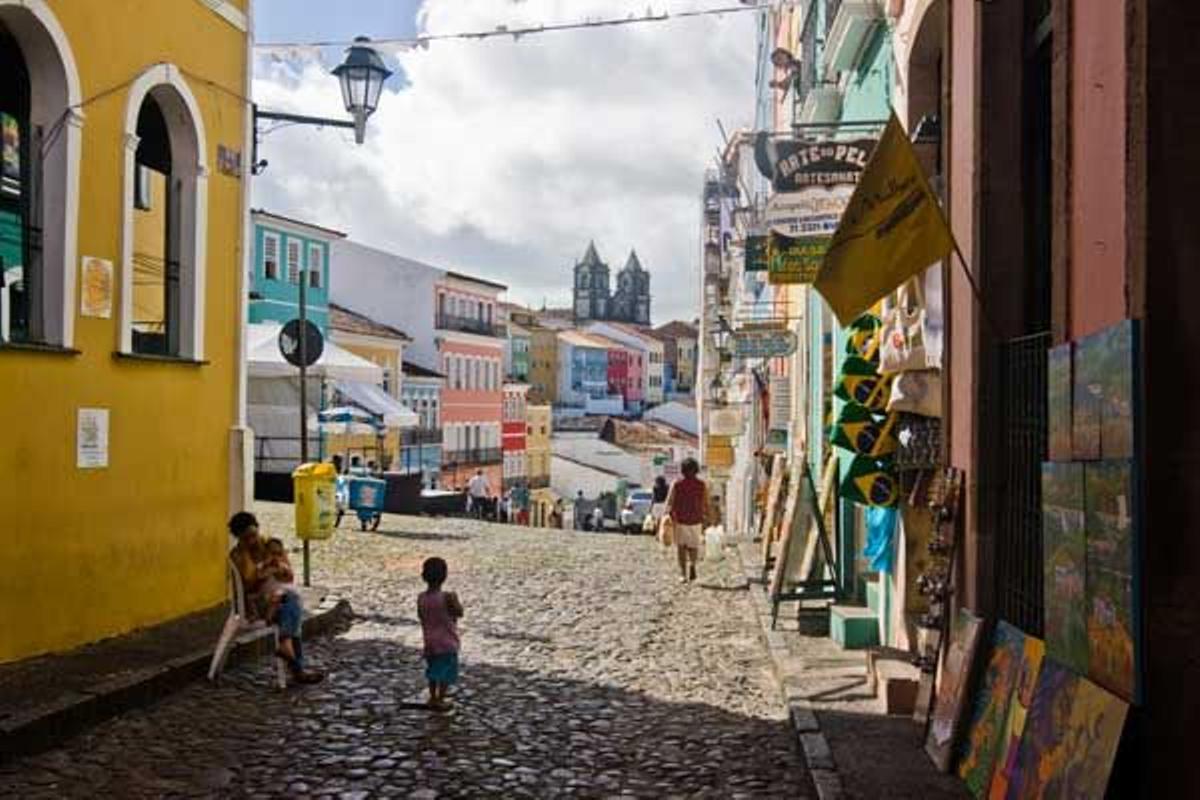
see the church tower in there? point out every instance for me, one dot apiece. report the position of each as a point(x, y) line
point(591, 286)
point(631, 302)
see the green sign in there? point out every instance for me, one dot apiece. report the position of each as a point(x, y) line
point(795, 259)
point(756, 254)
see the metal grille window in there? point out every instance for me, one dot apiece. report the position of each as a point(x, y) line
point(316, 265)
point(271, 257)
point(1014, 427)
point(293, 262)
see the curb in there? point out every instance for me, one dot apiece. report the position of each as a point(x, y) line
point(48, 725)
point(807, 728)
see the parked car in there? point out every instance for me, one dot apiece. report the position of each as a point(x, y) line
point(637, 506)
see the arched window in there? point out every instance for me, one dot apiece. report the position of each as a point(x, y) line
point(40, 139)
point(163, 246)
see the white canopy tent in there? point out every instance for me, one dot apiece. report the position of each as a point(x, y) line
point(265, 360)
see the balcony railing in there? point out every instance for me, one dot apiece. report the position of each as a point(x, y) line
point(483, 327)
point(417, 436)
point(487, 455)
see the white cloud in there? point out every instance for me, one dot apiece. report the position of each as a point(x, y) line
point(503, 159)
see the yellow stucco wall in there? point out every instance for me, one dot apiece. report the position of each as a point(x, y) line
point(388, 358)
point(93, 553)
point(543, 365)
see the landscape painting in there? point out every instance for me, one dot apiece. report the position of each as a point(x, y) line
point(985, 733)
point(1070, 738)
point(954, 673)
point(1116, 371)
point(1065, 564)
point(1058, 391)
point(1086, 397)
point(1030, 668)
point(1111, 609)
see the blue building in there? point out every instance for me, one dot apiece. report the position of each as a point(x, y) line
point(285, 251)
point(421, 448)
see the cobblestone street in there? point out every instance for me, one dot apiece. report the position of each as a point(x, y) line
point(587, 670)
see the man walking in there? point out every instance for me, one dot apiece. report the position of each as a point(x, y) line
point(480, 492)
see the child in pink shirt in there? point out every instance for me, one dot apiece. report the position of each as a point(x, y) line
point(439, 613)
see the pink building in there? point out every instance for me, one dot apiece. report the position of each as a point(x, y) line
point(471, 351)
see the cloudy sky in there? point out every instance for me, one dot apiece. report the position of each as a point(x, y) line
point(504, 158)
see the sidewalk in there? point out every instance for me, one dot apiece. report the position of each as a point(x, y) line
point(853, 749)
point(46, 699)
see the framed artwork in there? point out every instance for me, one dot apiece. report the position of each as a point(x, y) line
point(954, 673)
point(1112, 612)
point(1070, 738)
point(986, 729)
point(1030, 668)
point(1117, 391)
point(1087, 393)
point(1065, 564)
point(1058, 398)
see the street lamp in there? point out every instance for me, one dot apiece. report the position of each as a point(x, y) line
point(361, 77)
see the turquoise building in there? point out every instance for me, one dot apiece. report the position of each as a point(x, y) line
point(285, 252)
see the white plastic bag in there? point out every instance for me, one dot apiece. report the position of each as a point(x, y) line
point(713, 540)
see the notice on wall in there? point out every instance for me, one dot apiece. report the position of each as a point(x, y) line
point(91, 438)
point(96, 288)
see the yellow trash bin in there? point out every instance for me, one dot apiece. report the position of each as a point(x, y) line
point(314, 487)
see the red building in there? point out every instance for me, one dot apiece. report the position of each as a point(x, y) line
point(624, 373)
point(513, 433)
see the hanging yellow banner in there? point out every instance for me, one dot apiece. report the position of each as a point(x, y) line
point(892, 229)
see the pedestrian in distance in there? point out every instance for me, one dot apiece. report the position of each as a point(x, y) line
point(480, 492)
point(597, 519)
point(687, 505)
point(439, 612)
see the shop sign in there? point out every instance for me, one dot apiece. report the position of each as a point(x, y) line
point(764, 344)
point(793, 165)
point(796, 260)
point(719, 456)
point(780, 403)
point(726, 422)
point(811, 212)
point(756, 254)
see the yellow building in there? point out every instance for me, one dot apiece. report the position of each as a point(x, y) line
point(123, 447)
point(537, 454)
point(543, 365)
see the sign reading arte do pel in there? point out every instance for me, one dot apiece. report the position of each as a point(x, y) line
point(795, 260)
point(793, 166)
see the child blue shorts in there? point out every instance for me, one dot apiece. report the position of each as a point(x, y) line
point(442, 668)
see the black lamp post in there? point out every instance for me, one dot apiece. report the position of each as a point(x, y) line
point(361, 76)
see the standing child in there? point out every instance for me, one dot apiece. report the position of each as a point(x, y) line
point(439, 613)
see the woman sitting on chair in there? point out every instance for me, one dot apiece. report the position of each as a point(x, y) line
point(250, 556)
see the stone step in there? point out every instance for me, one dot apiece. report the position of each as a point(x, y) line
point(898, 682)
point(853, 627)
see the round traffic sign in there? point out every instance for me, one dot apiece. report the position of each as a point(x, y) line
point(289, 342)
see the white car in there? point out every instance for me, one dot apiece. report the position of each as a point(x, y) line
point(637, 506)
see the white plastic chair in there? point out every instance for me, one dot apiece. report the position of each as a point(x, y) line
point(238, 623)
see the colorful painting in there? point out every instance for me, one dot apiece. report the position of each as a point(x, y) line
point(985, 733)
point(1065, 564)
point(1033, 651)
point(1070, 738)
point(1086, 400)
point(1116, 371)
point(1058, 396)
point(954, 672)
point(1111, 617)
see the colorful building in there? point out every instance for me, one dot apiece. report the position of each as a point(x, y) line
point(582, 369)
point(517, 345)
point(543, 364)
point(642, 341)
point(538, 424)
point(421, 448)
point(470, 346)
point(512, 432)
point(126, 448)
point(625, 374)
point(680, 341)
point(285, 251)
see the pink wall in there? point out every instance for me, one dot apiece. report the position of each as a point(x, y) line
point(472, 405)
point(961, 343)
point(1098, 220)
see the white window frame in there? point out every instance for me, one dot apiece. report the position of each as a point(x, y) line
point(270, 239)
point(172, 92)
point(56, 102)
point(293, 264)
point(316, 272)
